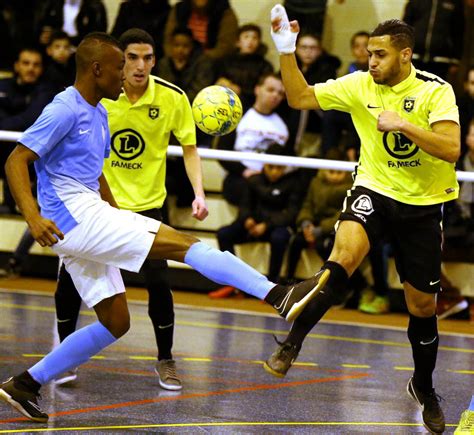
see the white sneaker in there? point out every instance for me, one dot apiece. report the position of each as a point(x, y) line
point(66, 378)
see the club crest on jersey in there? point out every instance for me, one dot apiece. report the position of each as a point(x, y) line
point(363, 205)
point(408, 104)
point(154, 112)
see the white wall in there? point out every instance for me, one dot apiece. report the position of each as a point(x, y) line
point(341, 20)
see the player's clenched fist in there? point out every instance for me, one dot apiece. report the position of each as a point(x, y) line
point(45, 231)
point(389, 121)
point(283, 32)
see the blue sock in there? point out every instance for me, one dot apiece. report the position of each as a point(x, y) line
point(75, 350)
point(226, 269)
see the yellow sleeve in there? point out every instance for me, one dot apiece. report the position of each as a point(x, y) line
point(184, 128)
point(338, 94)
point(443, 105)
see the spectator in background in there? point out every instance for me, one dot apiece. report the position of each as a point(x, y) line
point(241, 70)
point(149, 15)
point(22, 98)
point(317, 65)
point(309, 13)
point(466, 106)
point(75, 17)
point(213, 23)
point(339, 124)
point(259, 127)
point(186, 66)
point(466, 194)
point(60, 68)
point(439, 35)
point(267, 213)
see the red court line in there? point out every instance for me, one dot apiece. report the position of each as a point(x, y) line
point(198, 395)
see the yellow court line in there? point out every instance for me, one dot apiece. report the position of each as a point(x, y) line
point(144, 358)
point(223, 424)
point(463, 372)
point(197, 359)
point(356, 366)
point(404, 368)
point(260, 330)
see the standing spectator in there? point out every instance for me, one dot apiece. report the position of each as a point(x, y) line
point(213, 23)
point(309, 13)
point(244, 67)
point(149, 15)
point(267, 212)
point(317, 65)
point(75, 17)
point(22, 98)
point(60, 68)
point(259, 127)
point(439, 35)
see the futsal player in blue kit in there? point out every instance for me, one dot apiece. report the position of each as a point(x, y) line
point(80, 220)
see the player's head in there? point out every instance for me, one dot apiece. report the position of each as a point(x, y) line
point(182, 44)
point(59, 47)
point(359, 41)
point(269, 93)
point(308, 48)
point(469, 81)
point(99, 63)
point(390, 51)
point(139, 49)
point(273, 171)
point(249, 39)
point(29, 66)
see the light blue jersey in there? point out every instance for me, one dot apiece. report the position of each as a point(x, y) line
point(71, 138)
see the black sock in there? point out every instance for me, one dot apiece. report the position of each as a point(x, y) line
point(68, 305)
point(423, 336)
point(26, 380)
point(332, 292)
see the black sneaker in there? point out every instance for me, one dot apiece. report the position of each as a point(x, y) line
point(281, 360)
point(433, 417)
point(22, 399)
point(294, 301)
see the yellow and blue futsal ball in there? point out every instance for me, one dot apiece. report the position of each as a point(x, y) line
point(217, 110)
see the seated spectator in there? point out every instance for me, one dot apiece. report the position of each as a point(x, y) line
point(259, 127)
point(22, 98)
point(267, 213)
point(317, 66)
point(75, 17)
point(466, 106)
point(213, 23)
point(246, 65)
point(60, 68)
point(186, 67)
point(338, 125)
point(149, 15)
point(466, 194)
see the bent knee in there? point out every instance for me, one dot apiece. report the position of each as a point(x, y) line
point(118, 327)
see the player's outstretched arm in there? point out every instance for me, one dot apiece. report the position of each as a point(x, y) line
point(192, 163)
point(43, 230)
point(284, 33)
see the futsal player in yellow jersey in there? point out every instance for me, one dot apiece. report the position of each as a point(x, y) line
point(141, 121)
point(408, 123)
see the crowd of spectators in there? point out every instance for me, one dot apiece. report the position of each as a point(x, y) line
point(199, 43)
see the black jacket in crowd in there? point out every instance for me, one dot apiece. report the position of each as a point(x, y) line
point(276, 204)
point(439, 29)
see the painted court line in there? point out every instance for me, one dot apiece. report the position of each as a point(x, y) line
point(254, 388)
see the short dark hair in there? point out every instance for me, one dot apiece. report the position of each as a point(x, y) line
point(180, 30)
point(103, 37)
point(264, 76)
point(57, 35)
point(136, 36)
point(401, 34)
point(251, 27)
point(29, 49)
point(357, 34)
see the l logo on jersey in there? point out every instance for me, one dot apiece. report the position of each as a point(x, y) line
point(363, 205)
point(398, 145)
point(154, 112)
point(128, 144)
point(408, 104)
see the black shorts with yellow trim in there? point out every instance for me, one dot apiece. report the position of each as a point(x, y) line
point(415, 232)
